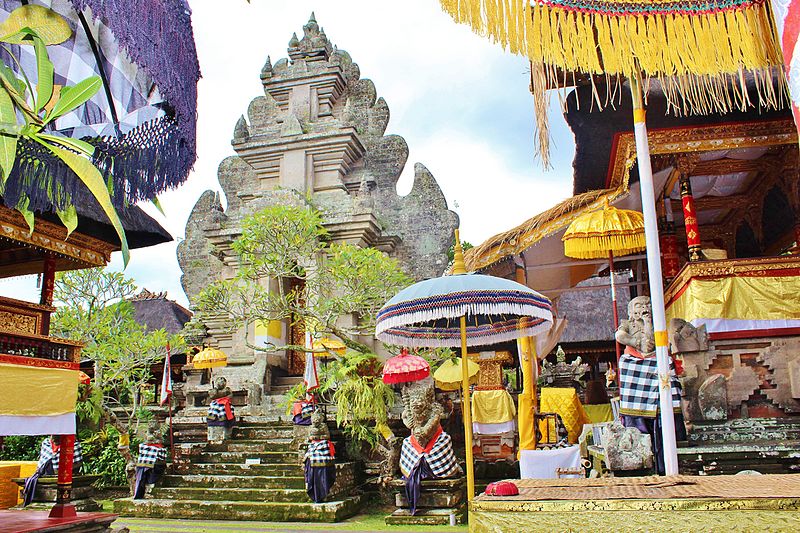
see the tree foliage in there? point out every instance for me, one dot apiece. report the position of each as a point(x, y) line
point(93, 309)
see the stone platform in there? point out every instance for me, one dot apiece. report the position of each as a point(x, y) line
point(677, 503)
point(438, 501)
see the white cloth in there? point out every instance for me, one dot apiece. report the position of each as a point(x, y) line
point(37, 425)
point(494, 429)
point(542, 464)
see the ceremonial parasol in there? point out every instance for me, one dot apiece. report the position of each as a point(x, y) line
point(84, 378)
point(125, 77)
point(463, 309)
point(405, 368)
point(210, 358)
point(450, 374)
point(604, 233)
point(704, 55)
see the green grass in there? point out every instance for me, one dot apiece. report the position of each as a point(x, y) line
point(373, 521)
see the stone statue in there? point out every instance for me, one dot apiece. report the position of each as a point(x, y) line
point(684, 337)
point(428, 451)
point(318, 462)
point(639, 381)
point(562, 374)
point(626, 448)
point(221, 415)
point(319, 426)
point(637, 331)
point(421, 412)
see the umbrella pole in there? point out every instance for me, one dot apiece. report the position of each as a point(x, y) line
point(614, 306)
point(466, 409)
point(654, 273)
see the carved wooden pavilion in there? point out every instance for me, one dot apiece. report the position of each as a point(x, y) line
point(39, 371)
point(729, 199)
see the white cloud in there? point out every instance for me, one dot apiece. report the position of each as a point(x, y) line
point(461, 103)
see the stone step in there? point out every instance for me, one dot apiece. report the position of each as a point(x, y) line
point(239, 457)
point(764, 457)
point(221, 481)
point(241, 469)
point(286, 380)
point(334, 511)
point(262, 432)
point(426, 517)
point(252, 445)
point(231, 494)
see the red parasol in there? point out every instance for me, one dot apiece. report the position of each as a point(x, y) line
point(84, 377)
point(404, 368)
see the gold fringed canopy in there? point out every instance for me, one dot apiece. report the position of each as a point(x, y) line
point(210, 358)
point(593, 235)
point(703, 54)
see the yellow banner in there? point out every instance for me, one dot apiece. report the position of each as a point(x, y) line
point(492, 406)
point(32, 391)
point(743, 298)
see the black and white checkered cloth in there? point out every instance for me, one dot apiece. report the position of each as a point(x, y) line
point(149, 455)
point(46, 453)
point(135, 97)
point(441, 459)
point(639, 385)
point(216, 412)
point(319, 453)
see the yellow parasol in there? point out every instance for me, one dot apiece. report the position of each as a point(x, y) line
point(449, 375)
point(333, 346)
point(605, 233)
point(210, 358)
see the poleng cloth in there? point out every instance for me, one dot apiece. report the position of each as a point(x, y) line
point(220, 412)
point(638, 385)
point(438, 454)
point(150, 453)
point(50, 452)
point(565, 402)
point(492, 406)
point(320, 453)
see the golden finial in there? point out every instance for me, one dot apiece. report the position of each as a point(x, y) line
point(458, 257)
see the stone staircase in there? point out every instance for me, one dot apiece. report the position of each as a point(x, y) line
point(766, 445)
point(256, 475)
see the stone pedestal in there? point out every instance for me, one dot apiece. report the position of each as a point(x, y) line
point(441, 502)
point(46, 488)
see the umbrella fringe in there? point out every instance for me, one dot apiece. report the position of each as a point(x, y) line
point(437, 340)
point(459, 310)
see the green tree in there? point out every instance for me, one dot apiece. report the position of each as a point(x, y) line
point(93, 309)
point(336, 289)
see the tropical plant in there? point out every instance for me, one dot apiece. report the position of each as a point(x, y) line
point(101, 457)
point(27, 114)
point(95, 311)
point(20, 448)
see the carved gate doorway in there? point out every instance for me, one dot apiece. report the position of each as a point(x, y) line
point(297, 332)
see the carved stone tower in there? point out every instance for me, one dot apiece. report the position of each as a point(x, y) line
point(318, 130)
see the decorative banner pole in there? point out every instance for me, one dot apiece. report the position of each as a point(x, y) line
point(690, 218)
point(526, 411)
point(656, 286)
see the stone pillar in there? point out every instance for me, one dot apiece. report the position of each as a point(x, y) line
point(690, 219)
point(64, 507)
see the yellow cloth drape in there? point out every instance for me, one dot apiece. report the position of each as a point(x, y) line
point(742, 298)
point(599, 413)
point(566, 403)
point(34, 391)
point(492, 406)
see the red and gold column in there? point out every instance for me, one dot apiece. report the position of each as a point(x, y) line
point(690, 219)
point(670, 259)
point(64, 507)
point(48, 285)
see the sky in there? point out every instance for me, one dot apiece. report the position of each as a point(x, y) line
point(461, 103)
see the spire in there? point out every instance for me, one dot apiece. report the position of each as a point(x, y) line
point(266, 70)
point(294, 42)
point(458, 257)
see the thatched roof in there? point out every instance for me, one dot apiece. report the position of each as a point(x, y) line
point(589, 313)
point(155, 311)
point(595, 131)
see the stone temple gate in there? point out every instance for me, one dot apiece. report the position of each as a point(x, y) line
point(317, 130)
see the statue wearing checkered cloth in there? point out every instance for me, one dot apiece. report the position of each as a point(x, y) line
point(151, 463)
point(318, 463)
point(221, 416)
point(48, 464)
point(639, 381)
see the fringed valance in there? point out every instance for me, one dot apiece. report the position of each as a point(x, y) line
point(703, 53)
